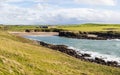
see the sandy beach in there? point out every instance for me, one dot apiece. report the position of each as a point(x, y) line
point(34, 33)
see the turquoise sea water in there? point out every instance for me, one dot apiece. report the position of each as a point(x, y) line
point(108, 50)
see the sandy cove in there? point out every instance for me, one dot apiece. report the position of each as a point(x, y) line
point(35, 33)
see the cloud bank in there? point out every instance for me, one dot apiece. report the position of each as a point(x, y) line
point(98, 2)
point(46, 13)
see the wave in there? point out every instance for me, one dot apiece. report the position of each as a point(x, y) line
point(113, 39)
point(105, 57)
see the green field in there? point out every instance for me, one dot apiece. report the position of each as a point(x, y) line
point(81, 27)
point(18, 27)
point(32, 28)
point(19, 56)
point(92, 27)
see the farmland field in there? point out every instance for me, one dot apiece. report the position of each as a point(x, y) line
point(92, 27)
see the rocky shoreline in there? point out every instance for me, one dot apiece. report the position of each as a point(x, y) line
point(91, 35)
point(76, 54)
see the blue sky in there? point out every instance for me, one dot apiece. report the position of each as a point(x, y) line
point(59, 11)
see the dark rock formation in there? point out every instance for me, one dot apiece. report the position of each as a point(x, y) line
point(108, 34)
point(91, 35)
point(71, 52)
point(61, 48)
point(27, 30)
point(100, 61)
point(85, 55)
point(112, 63)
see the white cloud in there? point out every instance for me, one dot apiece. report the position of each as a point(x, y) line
point(51, 14)
point(22, 0)
point(80, 15)
point(97, 2)
point(16, 15)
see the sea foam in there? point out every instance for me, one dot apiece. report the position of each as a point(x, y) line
point(105, 57)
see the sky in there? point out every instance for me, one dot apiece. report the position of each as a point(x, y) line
point(59, 11)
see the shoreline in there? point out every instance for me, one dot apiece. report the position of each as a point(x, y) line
point(65, 49)
point(82, 56)
point(68, 34)
point(90, 35)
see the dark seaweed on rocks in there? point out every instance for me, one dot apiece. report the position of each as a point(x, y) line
point(71, 52)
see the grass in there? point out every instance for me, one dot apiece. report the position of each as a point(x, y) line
point(32, 28)
point(19, 27)
point(92, 27)
point(19, 56)
point(82, 27)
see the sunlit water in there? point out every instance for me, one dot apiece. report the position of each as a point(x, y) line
point(108, 50)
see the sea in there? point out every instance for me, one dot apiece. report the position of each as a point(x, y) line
point(108, 50)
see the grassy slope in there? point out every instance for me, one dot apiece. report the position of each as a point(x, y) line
point(92, 27)
point(19, 56)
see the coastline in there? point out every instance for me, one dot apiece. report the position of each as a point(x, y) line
point(66, 50)
point(82, 56)
point(80, 35)
point(90, 35)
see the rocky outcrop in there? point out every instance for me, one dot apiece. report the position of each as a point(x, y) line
point(107, 35)
point(91, 35)
point(61, 48)
point(76, 54)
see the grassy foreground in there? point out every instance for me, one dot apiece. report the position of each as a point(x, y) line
point(20, 56)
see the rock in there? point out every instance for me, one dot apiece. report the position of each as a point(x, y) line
point(71, 52)
point(44, 44)
point(85, 55)
point(112, 63)
point(91, 35)
point(27, 30)
point(100, 61)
